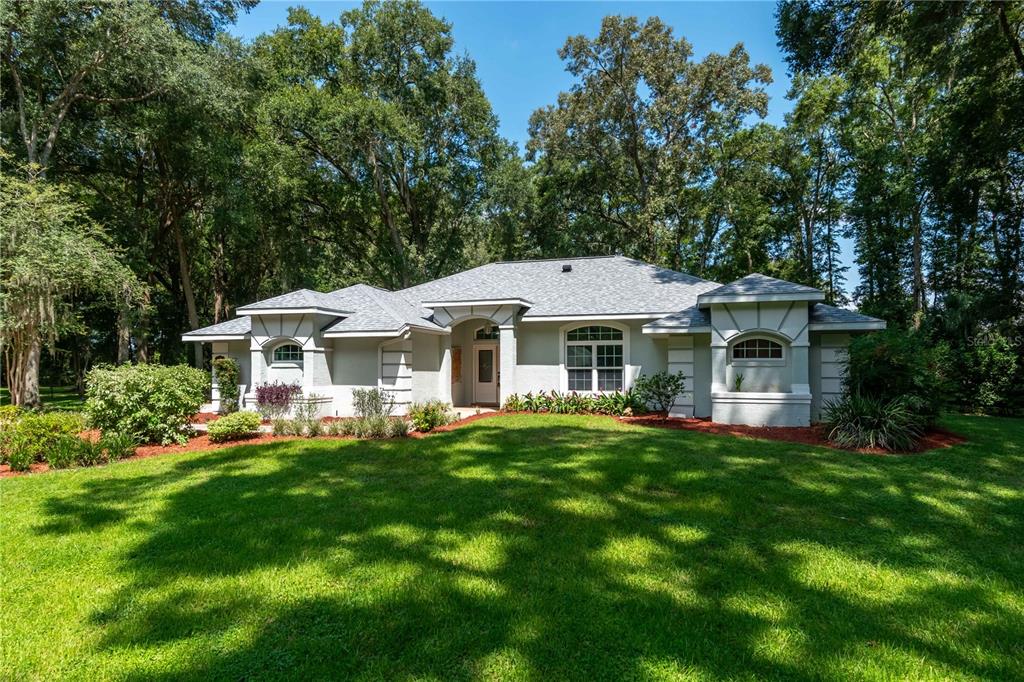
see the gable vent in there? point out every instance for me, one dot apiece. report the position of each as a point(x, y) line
point(566, 267)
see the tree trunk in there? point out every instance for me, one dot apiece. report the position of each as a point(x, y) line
point(124, 335)
point(186, 285)
point(918, 284)
point(23, 371)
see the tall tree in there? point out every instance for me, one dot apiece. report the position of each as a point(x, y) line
point(50, 252)
point(393, 133)
point(627, 149)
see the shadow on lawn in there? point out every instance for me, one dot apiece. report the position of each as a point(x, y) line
point(548, 551)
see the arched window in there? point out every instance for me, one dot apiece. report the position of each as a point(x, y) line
point(594, 358)
point(289, 352)
point(487, 333)
point(757, 349)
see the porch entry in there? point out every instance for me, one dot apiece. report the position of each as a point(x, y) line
point(485, 373)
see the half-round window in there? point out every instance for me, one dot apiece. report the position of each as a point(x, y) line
point(289, 353)
point(487, 333)
point(757, 349)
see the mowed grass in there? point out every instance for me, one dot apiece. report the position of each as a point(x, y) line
point(526, 547)
point(51, 397)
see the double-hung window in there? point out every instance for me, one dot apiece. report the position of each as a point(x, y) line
point(594, 359)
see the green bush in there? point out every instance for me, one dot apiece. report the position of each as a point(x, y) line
point(280, 427)
point(372, 402)
point(8, 415)
point(987, 373)
point(659, 389)
point(616, 403)
point(227, 372)
point(428, 415)
point(64, 451)
point(29, 438)
point(154, 403)
point(895, 364)
point(91, 454)
point(857, 421)
point(233, 426)
point(118, 445)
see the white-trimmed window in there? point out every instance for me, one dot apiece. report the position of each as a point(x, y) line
point(595, 359)
point(289, 353)
point(757, 351)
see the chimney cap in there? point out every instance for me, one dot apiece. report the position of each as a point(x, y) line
point(566, 267)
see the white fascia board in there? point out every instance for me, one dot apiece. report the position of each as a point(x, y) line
point(846, 326)
point(594, 318)
point(472, 302)
point(707, 299)
point(214, 337)
point(649, 329)
point(366, 334)
point(292, 311)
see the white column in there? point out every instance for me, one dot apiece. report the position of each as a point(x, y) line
point(507, 339)
point(719, 357)
point(444, 375)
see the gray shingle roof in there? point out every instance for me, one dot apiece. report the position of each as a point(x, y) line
point(238, 326)
point(827, 314)
point(301, 298)
point(606, 285)
point(757, 284)
point(595, 287)
point(687, 318)
point(376, 310)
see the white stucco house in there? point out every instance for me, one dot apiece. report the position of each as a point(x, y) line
point(757, 351)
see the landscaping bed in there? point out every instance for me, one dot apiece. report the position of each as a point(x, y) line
point(809, 435)
point(806, 435)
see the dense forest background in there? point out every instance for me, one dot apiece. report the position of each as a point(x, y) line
point(158, 172)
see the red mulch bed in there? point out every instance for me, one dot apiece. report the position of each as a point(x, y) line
point(204, 417)
point(805, 435)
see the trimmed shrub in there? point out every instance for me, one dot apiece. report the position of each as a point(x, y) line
point(234, 426)
point(8, 415)
point(118, 445)
point(227, 372)
point(617, 403)
point(428, 415)
point(30, 437)
point(659, 389)
point(372, 402)
point(858, 421)
point(153, 403)
point(274, 400)
point(893, 364)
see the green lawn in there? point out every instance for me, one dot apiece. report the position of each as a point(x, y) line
point(53, 397)
point(527, 547)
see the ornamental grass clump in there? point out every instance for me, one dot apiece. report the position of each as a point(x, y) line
point(858, 421)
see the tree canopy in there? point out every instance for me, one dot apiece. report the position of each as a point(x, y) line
point(329, 152)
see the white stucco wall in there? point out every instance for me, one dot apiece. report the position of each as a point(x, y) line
point(828, 367)
point(426, 366)
point(540, 351)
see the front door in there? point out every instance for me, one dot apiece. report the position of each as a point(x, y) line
point(485, 375)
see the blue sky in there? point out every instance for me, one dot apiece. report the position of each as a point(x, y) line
point(515, 44)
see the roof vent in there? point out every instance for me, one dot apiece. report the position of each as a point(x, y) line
point(566, 267)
